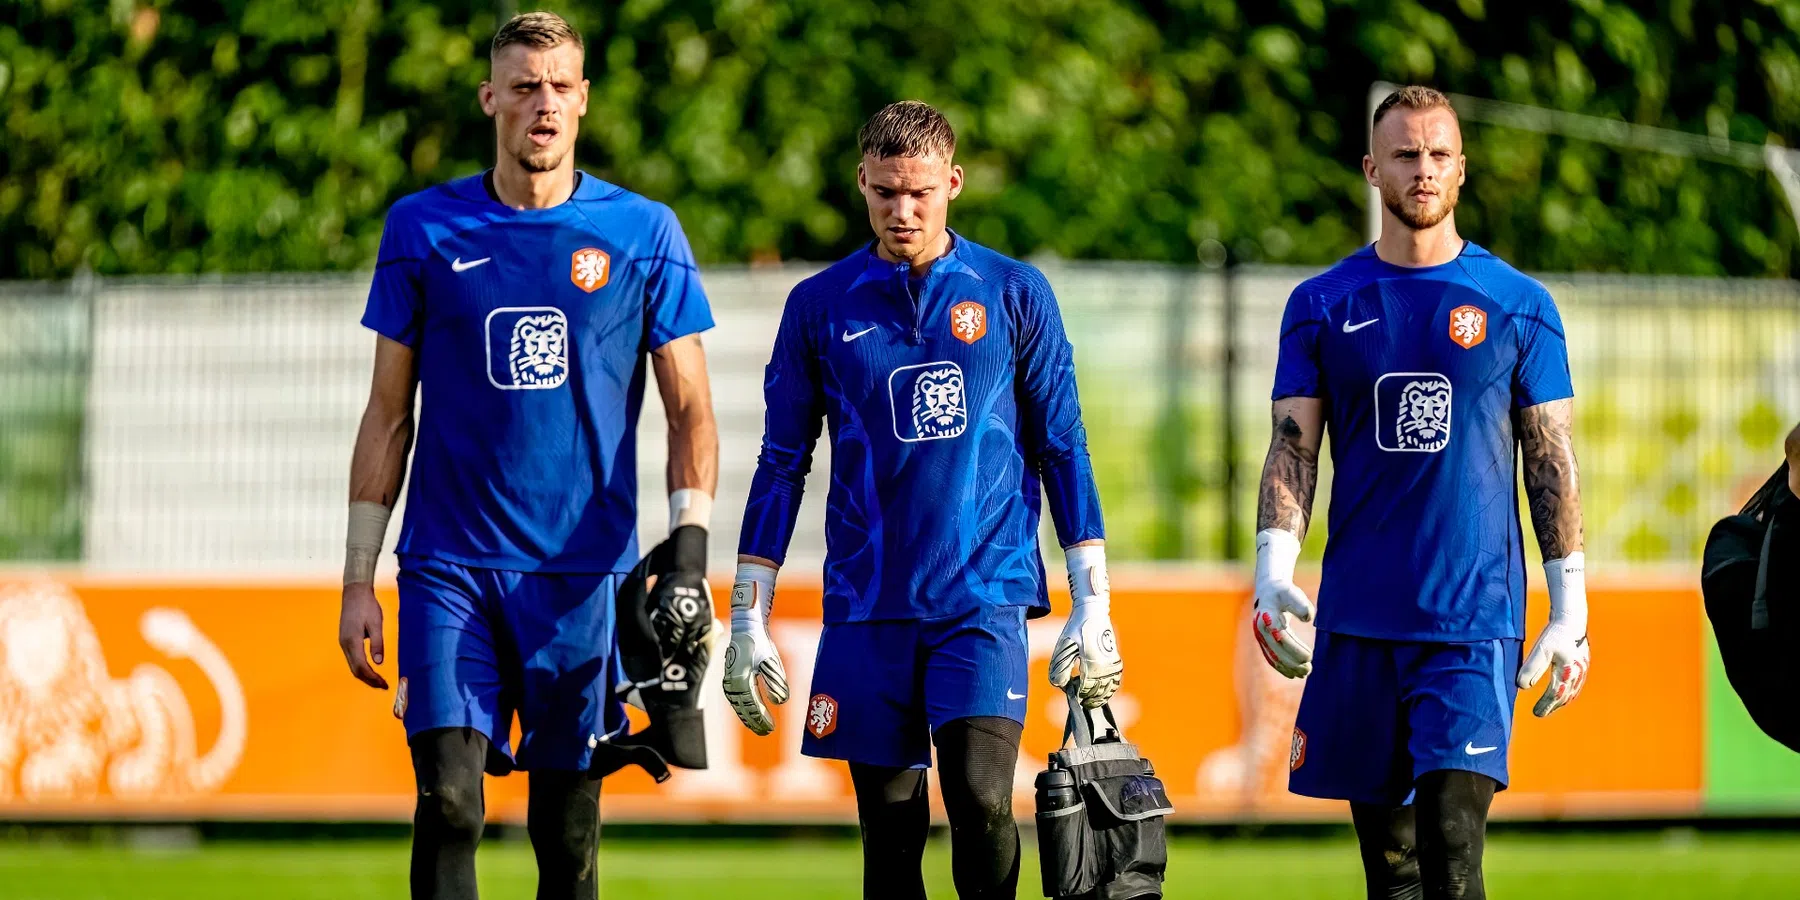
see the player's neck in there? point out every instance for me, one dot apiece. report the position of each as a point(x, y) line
point(519, 189)
point(1418, 247)
point(921, 264)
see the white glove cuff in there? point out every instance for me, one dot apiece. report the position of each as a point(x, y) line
point(753, 588)
point(1277, 552)
point(1088, 584)
point(1567, 580)
point(363, 537)
point(689, 506)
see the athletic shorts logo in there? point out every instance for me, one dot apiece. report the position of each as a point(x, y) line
point(1297, 751)
point(527, 348)
point(590, 268)
point(401, 697)
point(929, 401)
point(821, 715)
point(1468, 326)
point(1412, 412)
point(968, 321)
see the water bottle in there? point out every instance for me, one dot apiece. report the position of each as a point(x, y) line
point(1056, 790)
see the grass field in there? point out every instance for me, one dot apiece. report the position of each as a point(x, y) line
point(1539, 867)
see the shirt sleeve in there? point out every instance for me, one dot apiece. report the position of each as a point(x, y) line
point(1297, 360)
point(396, 307)
point(1050, 411)
point(794, 406)
point(677, 303)
point(1542, 374)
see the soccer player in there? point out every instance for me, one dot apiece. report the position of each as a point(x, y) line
point(521, 303)
point(1429, 360)
point(949, 386)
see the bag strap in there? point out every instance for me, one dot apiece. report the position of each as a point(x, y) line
point(1080, 724)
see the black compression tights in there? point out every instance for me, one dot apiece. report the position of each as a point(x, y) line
point(976, 757)
point(563, 819)
point(1431, 849)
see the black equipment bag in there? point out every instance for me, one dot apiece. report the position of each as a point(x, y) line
point(1748, 578)
point(1100, 810)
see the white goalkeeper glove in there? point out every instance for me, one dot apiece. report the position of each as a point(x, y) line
point(1277, 550)
point(1088, 638)
point(751, 657)
point(1562, 647)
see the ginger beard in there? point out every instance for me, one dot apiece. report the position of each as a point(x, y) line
point(1417, 215)
point(537, 98)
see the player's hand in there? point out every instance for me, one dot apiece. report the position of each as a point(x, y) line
point(359, 620)
point(1277, 597)
point(1088, 638)
point(753, 668)
point(681, 602)
point(1562, 647)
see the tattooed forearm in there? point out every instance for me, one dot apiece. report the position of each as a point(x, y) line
point(1552, 486)
point(1291, 472)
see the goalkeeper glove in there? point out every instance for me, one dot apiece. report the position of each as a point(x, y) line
point(1277, 550)
point(751, 657)
point(1088, 637)
point(1562, 647)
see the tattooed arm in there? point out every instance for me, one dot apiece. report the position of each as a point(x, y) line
point(1551, 484)
point(1291, 472)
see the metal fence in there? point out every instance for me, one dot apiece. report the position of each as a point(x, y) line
point(205, 424)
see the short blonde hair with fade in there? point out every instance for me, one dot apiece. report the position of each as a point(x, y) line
point(536, 29)
point(907, 128)
point(1413, 96)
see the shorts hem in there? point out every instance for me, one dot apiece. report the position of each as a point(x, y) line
point(864, 759)
point(1420, 770)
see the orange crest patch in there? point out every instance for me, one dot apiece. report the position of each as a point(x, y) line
point(821, 715)
point(590, 268)
point(1468, 326)
point(1297, 751)
point(968, 321)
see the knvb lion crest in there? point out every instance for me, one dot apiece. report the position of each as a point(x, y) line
point(821, 715)
point(590, 268)
point(1297, 751)
point(1468, 326)
point(968, 321)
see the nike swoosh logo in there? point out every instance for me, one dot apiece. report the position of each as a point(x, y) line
point(459, 266)
point(848, 337)
point(1012, 696)
point(1349, 328)
point(1473, 750)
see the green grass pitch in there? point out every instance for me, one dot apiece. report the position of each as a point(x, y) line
point(1535, 866)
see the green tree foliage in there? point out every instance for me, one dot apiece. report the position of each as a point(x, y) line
point(240, 135)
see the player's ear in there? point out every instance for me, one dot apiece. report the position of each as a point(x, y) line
point(1462, 169)
point(956, 181)
point(1369, 174)
point(584, 98)
point(486, 95)
point(862, 178)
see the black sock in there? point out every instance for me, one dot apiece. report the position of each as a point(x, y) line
point(449, 814)
point(895, 815)
point(1452, 820)
point(1385, 835)
point(976, 760)
point(563, 819)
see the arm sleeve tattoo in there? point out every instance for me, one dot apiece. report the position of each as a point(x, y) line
point(1290, 475)
point(1551, 483)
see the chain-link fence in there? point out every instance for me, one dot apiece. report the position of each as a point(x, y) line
point(206, 424)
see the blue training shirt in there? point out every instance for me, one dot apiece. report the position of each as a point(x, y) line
point(530, 328)
point(1421, 370)
point(950, 399)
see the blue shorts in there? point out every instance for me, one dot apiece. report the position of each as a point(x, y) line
point(1378, 714)
point(478, 645)
point(880, 688)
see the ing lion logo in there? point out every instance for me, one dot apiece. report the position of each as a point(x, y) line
point(821, 715)
point(938, 409)
point(1468, 326)
point(539, 354)
point(590, 268)
point(67, 727)
point(1423, 422)
point(968, 321)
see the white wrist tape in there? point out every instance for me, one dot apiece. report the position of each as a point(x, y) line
point(689, 506)
point(1087, 574)
point(1277, 552)
point(1567, 580)
point(362, 541)
point(753, 593)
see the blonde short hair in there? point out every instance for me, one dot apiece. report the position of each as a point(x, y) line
point(1413, 96)
point(535, 29)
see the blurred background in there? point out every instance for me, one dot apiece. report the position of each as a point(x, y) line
point(191, 194)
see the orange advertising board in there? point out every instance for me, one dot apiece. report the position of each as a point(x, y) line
point(209, 700)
